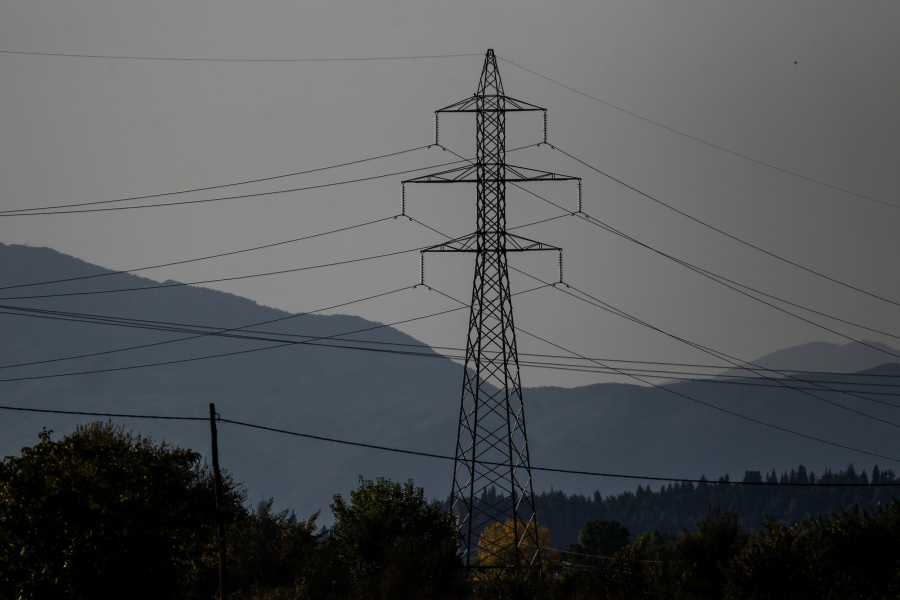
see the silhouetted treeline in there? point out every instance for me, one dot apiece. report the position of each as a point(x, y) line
point(677, 506)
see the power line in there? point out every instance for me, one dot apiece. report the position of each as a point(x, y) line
point(698, 379)
point(238, 197)
point(716, 277)
point(204, 330)
point(726, 234)
point(726, 281)
point(242, 331)
point(719, 354)
point(702, 141)
point(671, 391)
point(213, 187)
point(100, 414)
point(705, 273)
point(759, 370)
point(280, 343)
point(235, 60)
point(719, 408)
point(263, 247)
point(775, 381)
point(157, 325)
point(172, 285)
point(666, 375)
point(206, 200)
point(81, 316)
point(179, 284)
point(446, 457)
point(710, 351)
point(721, 279)
point(190, 260)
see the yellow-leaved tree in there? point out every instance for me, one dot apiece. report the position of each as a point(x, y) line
point(497, 546)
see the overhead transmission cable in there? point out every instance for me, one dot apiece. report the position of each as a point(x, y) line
point(760, 371)
point(685, 396)
point(731, 285)
point(726, 281)
point(238, 60)
point(736, 362)
point(280, 342)
point(756, 371)
point(702, 141)
point(180, 284)
point(725, 233)
point(712, 276)
point(46, 311)
point(433, 455)
point(190, 260)
point(220, 331)
point(242, 333)
point(213, 187)
point(719, 355)
point(237, 197)
point(245, 333)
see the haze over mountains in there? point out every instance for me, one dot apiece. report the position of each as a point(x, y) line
point(823, 356)
point(395, 400)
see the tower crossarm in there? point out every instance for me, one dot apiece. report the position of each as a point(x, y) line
point(470, 174)
point(512, 243)
point(494, 102)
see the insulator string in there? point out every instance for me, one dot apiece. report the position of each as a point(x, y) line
point(545, 127)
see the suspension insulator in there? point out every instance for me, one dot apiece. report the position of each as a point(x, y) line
point(437, 129)
point(580, 204)
point(421, 268)
point(403, 199)
point(545, 126)
point(560, 267)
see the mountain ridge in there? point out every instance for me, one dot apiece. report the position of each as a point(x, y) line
point(383, 399)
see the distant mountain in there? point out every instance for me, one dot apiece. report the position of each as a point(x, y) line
point(387, 399)
point(825, 356)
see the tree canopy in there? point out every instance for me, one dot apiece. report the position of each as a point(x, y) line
point(394, 543)
point(101, 509)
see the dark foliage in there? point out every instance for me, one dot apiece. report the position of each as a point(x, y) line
point(853, 553)
point(394, 544)
point(675, 507)
point(101, 509)
point(270, 550)
point(600, 538)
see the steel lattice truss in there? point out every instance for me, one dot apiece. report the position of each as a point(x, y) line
point(492, 477)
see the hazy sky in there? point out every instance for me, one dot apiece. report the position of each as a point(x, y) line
point(812, 87)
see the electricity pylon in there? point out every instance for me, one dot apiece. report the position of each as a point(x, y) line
point(492, 445)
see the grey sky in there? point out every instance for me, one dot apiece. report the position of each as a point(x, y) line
point(809, 86)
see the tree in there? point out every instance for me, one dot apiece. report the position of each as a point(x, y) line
point(103, 513)
point(274, 551)
point(496, 547)
point(602, 537)
point(393, 543)
point(697, 564)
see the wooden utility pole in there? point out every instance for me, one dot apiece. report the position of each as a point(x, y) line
point(220, 512)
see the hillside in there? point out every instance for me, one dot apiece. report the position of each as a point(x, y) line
point(824, 356)
point(388, 399)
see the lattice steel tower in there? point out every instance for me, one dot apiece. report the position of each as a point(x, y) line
point(492, 445)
